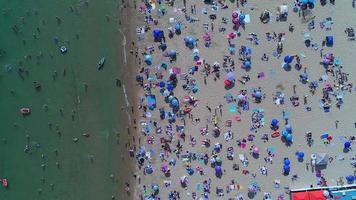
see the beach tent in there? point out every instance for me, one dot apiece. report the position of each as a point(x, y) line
point(309, 195)
point(329, 41)
point(151, 101)
point(157, 34)
point(322, 159)
point(300, 196)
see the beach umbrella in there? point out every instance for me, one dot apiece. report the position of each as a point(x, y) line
point(287, 162)
point(234, 14)
point(227, 83)
point(157, 34)
point(162, 84)
point(162, 46)
point(350, 179)
point(170, 87)
point(288, 59)
point(286, 168)
point(148, 59)
point(218, 170)
point(190, 171)
point(189, 41)
point(178, 27)
point(174, 103)
point(347, 145)
point(231, 35)
point(247, 63)
point(258, 94)
point(236, 21)
point(289, 138)
point(288, 128)
point(149, 169)
point(300, 155)
point(274, 122)
point(155, 187)
point(241, 17)
point(172, 54)
point(284, 133)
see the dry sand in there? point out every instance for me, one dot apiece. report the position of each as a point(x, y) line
point(213, 93)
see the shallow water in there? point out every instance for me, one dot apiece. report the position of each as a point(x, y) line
point(89, 99)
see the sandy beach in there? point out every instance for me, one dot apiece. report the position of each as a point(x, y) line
point(178, 147)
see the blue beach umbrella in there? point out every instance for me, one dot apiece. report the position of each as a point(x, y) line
point(149, 169)
point(162, 84)
point(218, 170)
point(350, 179)
point(157, 34)
point(347, 145)
point(178, 27)
point(286, 169)
point(247, 63)
point(284, 133)
point(190, 171)
point(148, 59)
point(300, 155)
point(288, 128)
point(172, 54)
point(289, 138)
point(170, 87)
point(286, 162)
point(189, 41)
point(242, 17)
point(174, 103)
point(274, 122)
point(258, 94)
point(288, 59)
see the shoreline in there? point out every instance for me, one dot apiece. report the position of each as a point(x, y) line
point(131, 92)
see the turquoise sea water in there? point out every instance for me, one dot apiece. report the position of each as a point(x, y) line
point(38, 154)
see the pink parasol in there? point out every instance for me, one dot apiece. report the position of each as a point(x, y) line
point(236, 21)
point(231, 36)
point(234, 15)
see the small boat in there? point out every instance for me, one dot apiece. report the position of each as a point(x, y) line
point(101, 63)
point(5, 183)
point(276, 134)
point(25, 111)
